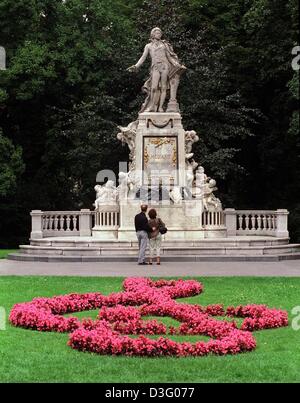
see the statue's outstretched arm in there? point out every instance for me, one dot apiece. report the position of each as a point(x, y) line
point(141, 61)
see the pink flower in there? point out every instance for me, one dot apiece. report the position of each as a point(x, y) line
point(121, 314)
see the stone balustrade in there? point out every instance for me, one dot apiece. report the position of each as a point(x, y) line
point(107, 220)
point(213, 219)
point(60, 223)
point(257, 222)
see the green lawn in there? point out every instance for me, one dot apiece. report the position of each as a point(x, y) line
point(29, 356)
point(5, 252)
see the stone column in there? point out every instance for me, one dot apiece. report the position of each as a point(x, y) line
point(282, 223)
point(85, 222)
point(36, 224)
point(230, 221)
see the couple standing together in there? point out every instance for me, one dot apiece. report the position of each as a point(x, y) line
point(149, 230)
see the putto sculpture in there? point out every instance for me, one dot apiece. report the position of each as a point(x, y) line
point(191, 137)
point(210, 201)
point(165, 73)
point(127, 136)
point(106, 194)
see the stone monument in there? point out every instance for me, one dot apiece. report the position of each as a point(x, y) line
point(162, 171)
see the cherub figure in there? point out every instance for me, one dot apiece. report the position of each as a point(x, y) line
point(191, 137)
point(127, 135)
point(175, 195)
point(126, 188)
point(106, 194)
point(210, 201)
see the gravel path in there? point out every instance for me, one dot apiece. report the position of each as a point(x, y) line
point(289, 268)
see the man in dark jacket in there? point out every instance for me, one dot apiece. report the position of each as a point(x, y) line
point(142, 229)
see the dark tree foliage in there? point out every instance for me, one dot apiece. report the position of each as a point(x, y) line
point(66, 89)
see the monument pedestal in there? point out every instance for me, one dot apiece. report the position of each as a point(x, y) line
point(104, 234)
point(185, 221)
point(160, 149)
point(161, 175)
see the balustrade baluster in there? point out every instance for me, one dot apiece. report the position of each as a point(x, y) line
point(247, 222)
point(68, 221)
point(272, 221)
point(61, 223)
point(259, 222)
point(55, 223)
point(252, 218)
point(240, 221)
point(75, 220)
point(48, 223)
point(51, 223)
point(264, 222)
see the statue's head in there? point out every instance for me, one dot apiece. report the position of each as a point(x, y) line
point(156, 33)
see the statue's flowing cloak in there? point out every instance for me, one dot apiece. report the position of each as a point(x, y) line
point(175, 68)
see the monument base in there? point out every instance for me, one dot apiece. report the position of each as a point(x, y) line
point(105, 235)
point(184, 221)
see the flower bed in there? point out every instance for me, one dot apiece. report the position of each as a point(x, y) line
point(121, 314)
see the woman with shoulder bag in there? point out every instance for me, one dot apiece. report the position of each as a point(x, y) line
point(155, 236)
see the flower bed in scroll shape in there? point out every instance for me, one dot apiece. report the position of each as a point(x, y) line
point(120, 315)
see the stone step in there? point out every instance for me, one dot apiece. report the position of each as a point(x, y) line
point(188, 258)
point(91, 242)
point(165, 250)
